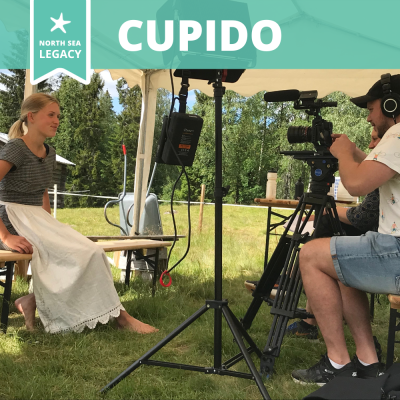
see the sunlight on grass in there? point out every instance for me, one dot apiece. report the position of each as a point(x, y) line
point(43, 366)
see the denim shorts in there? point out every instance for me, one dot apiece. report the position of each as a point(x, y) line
point(370, 262)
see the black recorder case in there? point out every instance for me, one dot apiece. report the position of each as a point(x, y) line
point(183, 136)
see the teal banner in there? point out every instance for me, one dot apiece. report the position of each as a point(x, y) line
point(60, 39)
point(265, 34)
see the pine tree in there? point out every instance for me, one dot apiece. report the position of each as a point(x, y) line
point(88, 145)
point(128, 122)
point(109, 128)
point(69, 95)
point(164, 173)
point(11, 98)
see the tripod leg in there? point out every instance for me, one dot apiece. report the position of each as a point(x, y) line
point(154, 350)
point(267, 281)
point(243, 332)
point(289, 291)
point(286, 300)
point(271, 352)
point(238, 337)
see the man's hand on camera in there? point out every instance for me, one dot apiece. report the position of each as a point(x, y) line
point(342, 146)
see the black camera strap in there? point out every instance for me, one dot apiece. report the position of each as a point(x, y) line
point(183, 93)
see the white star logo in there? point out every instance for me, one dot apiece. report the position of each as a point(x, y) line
point(59, 23)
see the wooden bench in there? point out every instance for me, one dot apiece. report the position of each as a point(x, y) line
point(163, 257)
point(131, 246)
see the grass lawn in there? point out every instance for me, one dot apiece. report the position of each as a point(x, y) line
point(76, 366)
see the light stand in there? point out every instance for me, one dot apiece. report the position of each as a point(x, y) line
point(219, 305)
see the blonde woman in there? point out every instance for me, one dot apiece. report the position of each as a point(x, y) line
point(72, 282)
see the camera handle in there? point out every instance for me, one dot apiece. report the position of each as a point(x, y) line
point(284, 261)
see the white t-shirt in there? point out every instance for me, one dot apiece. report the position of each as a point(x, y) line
point(388, 152)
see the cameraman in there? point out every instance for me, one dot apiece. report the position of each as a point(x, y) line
point(337, 272)
point(355, 221)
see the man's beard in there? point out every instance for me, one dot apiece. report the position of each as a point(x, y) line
point(383, 127)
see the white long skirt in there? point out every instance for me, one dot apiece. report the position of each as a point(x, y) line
point(72, 279)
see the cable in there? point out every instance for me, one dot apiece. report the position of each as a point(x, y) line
point(173, 216)
point(121, 198)
point(189, 226)
point(183, 171)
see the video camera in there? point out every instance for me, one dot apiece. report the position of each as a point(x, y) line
point(322, 163)
point(319, 133)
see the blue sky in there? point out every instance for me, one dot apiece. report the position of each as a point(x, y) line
point(110, 85)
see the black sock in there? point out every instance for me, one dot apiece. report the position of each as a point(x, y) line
point(305, 324)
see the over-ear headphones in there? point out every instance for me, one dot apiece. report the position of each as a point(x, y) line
point(390, 103)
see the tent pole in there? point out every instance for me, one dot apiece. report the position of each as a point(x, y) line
point(145, 146)
point(29, 88)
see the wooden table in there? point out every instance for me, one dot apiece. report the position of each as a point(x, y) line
point(281, 203)
point(151, 237)
point(162, 261)
point(275, 203)
point(136, 247)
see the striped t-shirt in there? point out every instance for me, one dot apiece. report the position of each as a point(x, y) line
point(28, 179)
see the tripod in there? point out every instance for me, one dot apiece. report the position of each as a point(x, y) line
point(219, 305)
point(285, 261)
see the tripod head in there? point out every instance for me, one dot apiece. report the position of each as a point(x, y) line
point(323, 166)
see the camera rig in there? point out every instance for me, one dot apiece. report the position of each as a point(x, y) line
point(319, 133)
point(284, 261)
point(323, 165)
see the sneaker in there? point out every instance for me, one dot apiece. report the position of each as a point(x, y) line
point(369, 371)
point(323, 372)
point(303, 330)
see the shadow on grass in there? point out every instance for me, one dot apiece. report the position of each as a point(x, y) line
point(40, 365)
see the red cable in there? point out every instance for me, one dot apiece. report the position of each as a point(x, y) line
point(168, 284)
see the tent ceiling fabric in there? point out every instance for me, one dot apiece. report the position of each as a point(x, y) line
point(353, 82)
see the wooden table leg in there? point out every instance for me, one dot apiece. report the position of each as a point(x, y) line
point(267, 238)
point(117, 255)
point(7, 296)
point(21, 269)
point(128, 267)
point(155, 272)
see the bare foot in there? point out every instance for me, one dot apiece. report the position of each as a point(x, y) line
point(26, 305)
point(125, 321)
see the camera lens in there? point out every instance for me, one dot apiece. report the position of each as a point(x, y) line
point(299, 134)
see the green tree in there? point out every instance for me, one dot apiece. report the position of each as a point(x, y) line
point(165, 175)
point(127, 130)
point(88, 146)
point(349, 119)
point(12, 96)
point(69, 95)
point(109, 128)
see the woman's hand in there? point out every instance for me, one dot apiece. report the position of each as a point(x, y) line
point(18, 243)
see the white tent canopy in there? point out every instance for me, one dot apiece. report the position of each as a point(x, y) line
point(354, 82)
point(351, 82)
